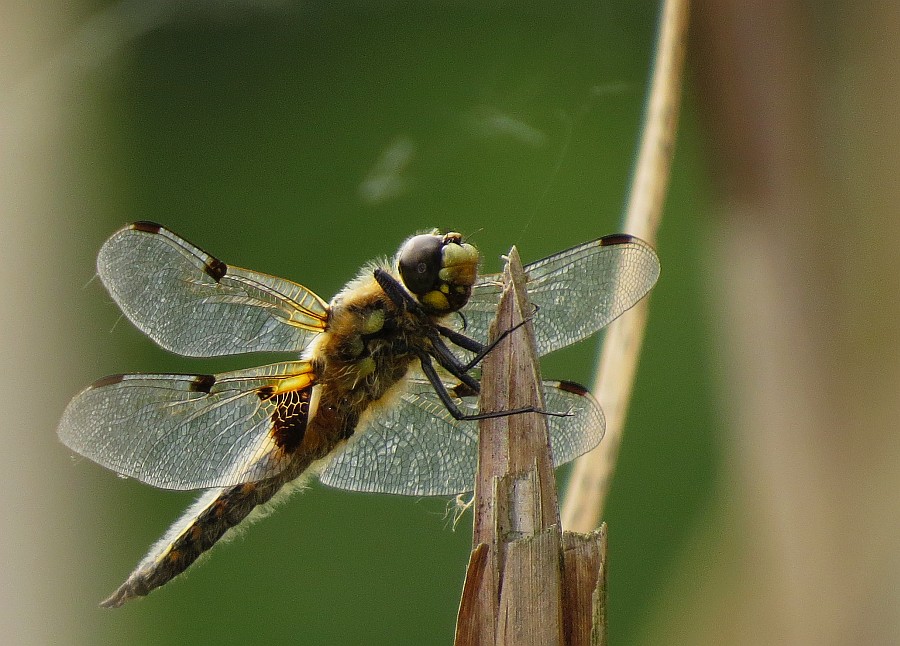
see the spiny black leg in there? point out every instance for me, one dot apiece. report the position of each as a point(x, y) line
point(470, 344)
point(451, 363)
point(460, 339)
point(463, 317)
point(446, 399)
point(401, 298)
point(396, 292)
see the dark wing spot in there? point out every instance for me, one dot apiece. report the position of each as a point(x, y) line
point(202, 384)
point(146, 226)
point(265, 393)
point(616, 238)
point(108, 381)
point(462, 390)
point(572, 387)
point(215, 268)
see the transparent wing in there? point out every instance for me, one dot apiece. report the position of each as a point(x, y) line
point(416, 448)
point(195, 305)
point(577, 291)
point(189, 431)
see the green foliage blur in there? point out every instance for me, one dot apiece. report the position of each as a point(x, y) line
point(303, 140)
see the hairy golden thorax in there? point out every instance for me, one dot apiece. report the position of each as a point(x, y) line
point(372, 340)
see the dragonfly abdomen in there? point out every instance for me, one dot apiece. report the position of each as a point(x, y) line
point(202, 525)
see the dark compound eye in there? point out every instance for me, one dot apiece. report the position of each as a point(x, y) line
point(420, 262)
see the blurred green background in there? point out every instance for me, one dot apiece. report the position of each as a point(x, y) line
point(302, 140)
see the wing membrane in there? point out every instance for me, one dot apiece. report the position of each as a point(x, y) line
point(417, 448)
point(181, 431)
point(577, 291)
point(195, 305)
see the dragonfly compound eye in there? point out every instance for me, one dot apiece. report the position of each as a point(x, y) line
point(420, 262)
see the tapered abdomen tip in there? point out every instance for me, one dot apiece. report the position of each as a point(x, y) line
point(118, 598)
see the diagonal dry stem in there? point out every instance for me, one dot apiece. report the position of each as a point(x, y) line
point(583, 501)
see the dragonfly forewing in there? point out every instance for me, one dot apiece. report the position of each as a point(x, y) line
point(576, 292)
point(193, 304)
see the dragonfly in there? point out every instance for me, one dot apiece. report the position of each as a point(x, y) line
point(377, 392)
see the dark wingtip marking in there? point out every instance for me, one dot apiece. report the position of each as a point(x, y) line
point(616, 238)
point(572, 387)
point(109, 380)
point(202, 384)
point(215, 268)
point(462, 390)
point(146, 226)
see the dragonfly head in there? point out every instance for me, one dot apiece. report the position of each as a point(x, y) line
point(439, 270)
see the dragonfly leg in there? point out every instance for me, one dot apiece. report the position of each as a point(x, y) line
point(468, 343)
point(396, 292)
point(447, 399)
point(451, 363)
